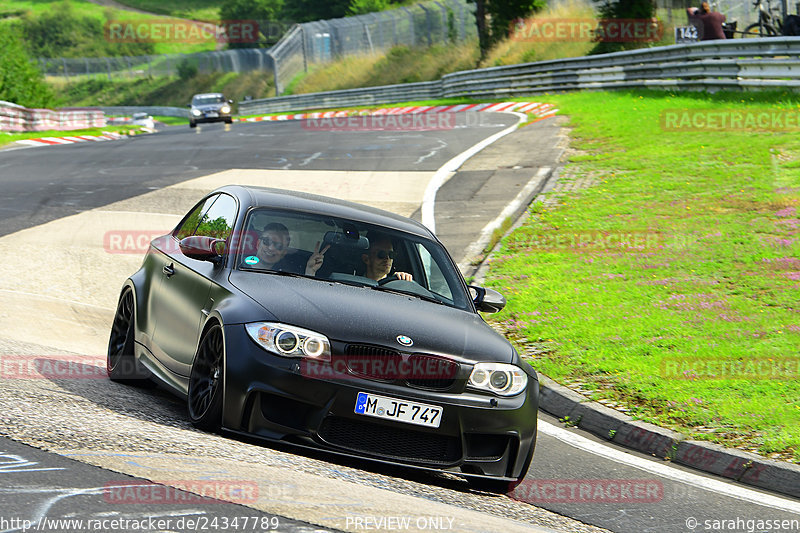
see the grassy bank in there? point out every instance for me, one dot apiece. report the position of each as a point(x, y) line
point(707, 275)
point(161, 91)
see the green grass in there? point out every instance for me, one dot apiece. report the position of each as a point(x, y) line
point(721, 284)
point(207, 10)
point(8, 138)
point(10, 9)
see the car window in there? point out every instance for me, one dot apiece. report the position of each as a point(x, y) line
point(288, 239)
point(218, 220)
point(206, 100)
point(212, 218)
point(192, 220)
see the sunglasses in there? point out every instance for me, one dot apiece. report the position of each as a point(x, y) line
point(266, 241)
point(383, 254)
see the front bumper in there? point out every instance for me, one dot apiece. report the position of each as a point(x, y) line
point(274, 398)
point(210, 117)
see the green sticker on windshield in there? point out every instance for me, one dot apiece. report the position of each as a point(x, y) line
point(251, 260)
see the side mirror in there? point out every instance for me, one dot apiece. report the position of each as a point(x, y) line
point(202, 248)
point(230, 101)
point(487, 300)
point(189, 105)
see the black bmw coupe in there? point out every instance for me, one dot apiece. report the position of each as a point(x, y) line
point(323, 323)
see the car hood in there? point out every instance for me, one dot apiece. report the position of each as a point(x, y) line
point(208, 107)
point(364, 315)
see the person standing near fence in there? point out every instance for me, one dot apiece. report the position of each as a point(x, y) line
point(707, 22)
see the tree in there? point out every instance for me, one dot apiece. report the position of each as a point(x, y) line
point(501, 14)
point(310, 10)
point(266, 12)
point(20, 81)
point(362, 7)
point(623, 9)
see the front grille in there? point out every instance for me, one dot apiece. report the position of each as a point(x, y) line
point(390, 442)
point(415, 370)
point(372, 362)
point(438, 373)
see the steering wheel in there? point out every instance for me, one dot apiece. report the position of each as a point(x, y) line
point(388, 279)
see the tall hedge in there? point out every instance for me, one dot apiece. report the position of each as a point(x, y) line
point(20, 81)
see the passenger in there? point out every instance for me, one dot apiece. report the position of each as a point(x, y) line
point(380, 258)
point(707, 22)
point(273, 245)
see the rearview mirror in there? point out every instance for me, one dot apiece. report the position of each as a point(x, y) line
point(202, 248)
point(488, 300)
point(347, 239)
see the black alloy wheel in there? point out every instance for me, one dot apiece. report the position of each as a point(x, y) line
point(205, 381)
point(120, 361)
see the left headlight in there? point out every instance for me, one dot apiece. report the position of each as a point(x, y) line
point(225, 109)
point(290, 341)
point(196, 112)
point(499, 378)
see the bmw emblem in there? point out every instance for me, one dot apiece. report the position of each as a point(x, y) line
point(405, 340)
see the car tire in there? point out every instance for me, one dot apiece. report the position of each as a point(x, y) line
point(192, 124)
point(206, 381)
point(120, 359)
point(228, 121)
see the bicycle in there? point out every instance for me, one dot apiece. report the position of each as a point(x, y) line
point(770, 23)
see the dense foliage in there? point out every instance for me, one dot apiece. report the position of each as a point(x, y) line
point(61, 32)
point(20, 82)
point(624, 9)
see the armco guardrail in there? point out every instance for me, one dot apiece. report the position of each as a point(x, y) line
point(126, 111)
point(16, 118)
point(766, 63)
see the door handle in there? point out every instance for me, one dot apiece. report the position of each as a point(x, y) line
point(169, 269)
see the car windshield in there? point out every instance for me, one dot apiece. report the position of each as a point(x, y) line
point(207, 100)
point(349, 252)
point(138, 116)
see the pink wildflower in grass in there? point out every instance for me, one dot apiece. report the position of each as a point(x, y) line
point(787, 212)
point(794, 328)
point(794, 276)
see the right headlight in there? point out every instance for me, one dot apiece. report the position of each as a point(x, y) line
point(290, 341)
point(499, 378)
point(196, 112)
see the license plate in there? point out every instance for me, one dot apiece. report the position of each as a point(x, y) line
point(400, 410)
point(211, 115)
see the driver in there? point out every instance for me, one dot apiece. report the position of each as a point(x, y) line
point(380, 257)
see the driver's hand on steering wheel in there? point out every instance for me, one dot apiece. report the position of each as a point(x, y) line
point(405, 276)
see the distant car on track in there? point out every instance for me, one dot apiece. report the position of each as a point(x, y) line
point(209, 107)
point(144, 120)
point(262, 309)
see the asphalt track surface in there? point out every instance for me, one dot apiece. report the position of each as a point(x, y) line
point(40, 185)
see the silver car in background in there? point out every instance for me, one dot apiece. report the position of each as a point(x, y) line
point(209, 107)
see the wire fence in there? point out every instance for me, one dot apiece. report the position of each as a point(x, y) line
point(236, 60)
point(426, 24)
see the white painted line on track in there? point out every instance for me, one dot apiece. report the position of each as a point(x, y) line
point(485, 236)
point(444, 172)
point(665, 470)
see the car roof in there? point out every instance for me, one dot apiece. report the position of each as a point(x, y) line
point(251, 196)
point(206, 94)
